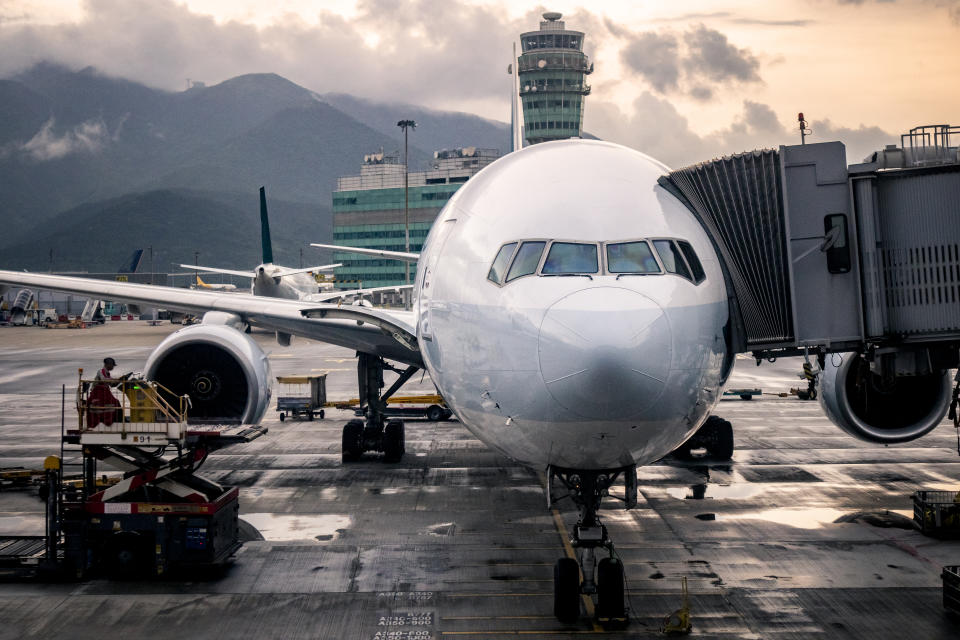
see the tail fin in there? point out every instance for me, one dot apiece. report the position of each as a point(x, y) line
point(265, 229)
point(132, 263)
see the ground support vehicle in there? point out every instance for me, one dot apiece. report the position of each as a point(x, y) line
point(302, 396)
point(160, 515)
point(431, 407)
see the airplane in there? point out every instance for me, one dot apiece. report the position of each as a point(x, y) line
point(269, 279)
point(215, 287)
point(571, 311)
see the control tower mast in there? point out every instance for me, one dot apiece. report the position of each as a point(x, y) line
point(551, 70)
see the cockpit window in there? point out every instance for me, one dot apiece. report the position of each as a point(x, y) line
point(671, 258)
point(528, 257)
point(571, 257)
point(698, 274)
point(500, 263)
point(631, 257)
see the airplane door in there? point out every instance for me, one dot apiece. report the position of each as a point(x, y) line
point(426, 285)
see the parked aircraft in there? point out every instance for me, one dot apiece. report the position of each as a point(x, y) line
point(269, 279)
point(215, 287)
point(571, 311)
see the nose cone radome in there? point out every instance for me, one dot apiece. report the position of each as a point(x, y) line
point(605, 352)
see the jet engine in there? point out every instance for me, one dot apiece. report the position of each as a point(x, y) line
point(225, 373)
point(881, 409)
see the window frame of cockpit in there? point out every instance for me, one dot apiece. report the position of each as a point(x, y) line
point(678, 250)
point(653, 252)
point(603, 266)
point(536, 272)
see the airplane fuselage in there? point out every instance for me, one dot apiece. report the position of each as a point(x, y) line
point(597, 368)
point(270, 282)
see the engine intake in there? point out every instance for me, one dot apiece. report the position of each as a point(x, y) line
point(225, 373)
point(870, 408)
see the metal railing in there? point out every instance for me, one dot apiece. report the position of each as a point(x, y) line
point(127, 406)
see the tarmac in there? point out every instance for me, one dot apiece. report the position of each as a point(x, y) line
point(804, 534)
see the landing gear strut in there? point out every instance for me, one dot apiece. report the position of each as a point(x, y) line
point(603, 578)
point(375, 432)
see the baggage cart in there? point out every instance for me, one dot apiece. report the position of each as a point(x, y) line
point(937, 513)
point(951, 589)
point(302, 396)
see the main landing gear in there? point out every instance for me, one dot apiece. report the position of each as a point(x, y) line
point(715, 435)
point(604, 578)
point(375, 432)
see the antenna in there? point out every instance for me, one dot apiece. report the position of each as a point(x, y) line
point(804, 132)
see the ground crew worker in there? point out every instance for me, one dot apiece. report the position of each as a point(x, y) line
point(102, 406)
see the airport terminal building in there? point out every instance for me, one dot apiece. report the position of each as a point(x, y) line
point(368, 210)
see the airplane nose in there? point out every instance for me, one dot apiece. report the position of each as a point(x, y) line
point(605, 352)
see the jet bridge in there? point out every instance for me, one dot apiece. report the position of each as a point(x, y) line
point(828, 257)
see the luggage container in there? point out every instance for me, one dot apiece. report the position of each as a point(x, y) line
point(937, 513)
point(302, 396)
point(951, 589)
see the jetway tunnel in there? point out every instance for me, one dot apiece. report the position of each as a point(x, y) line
point(836, 258)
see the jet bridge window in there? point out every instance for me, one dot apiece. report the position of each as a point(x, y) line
point(528, 257)
point(671, 258)
point(631, 257)
point(571, 257)
point(500, 263)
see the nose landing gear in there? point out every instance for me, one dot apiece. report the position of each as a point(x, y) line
point(585, 575)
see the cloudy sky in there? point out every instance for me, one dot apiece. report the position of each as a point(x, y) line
point(683, 80)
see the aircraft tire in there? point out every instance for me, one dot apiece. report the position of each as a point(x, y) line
point(393, 441)
point(352, 441)
point(610, 591)
point(721, 438)
point(283, 416)
point(566, 590)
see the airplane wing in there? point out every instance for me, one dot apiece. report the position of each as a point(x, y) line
point(284, 271)
point(390, 334)
point(402, 256)
point(229, 272)
point(346, 293)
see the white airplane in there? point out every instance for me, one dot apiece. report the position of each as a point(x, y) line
point(269, 279)
point(570, 310)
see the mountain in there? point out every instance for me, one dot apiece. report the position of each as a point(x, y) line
point(435, 129)
point(70, 139)
point(223, 227)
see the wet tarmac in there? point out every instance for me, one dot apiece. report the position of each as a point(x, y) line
point(800, 536)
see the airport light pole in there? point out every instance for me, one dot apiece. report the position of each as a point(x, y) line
point(405, 125)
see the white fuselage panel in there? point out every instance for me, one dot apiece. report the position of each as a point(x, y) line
point(579, 372)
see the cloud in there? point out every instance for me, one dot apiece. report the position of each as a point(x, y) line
point(699, 63)
point(711, 55)
point(655, 57)
point(657, 128)
point(89, 136)
point(460, 50)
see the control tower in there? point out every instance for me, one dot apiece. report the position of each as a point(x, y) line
point(551, 70)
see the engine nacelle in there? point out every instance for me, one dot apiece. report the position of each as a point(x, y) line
point(225, 373)
point(867, 407)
